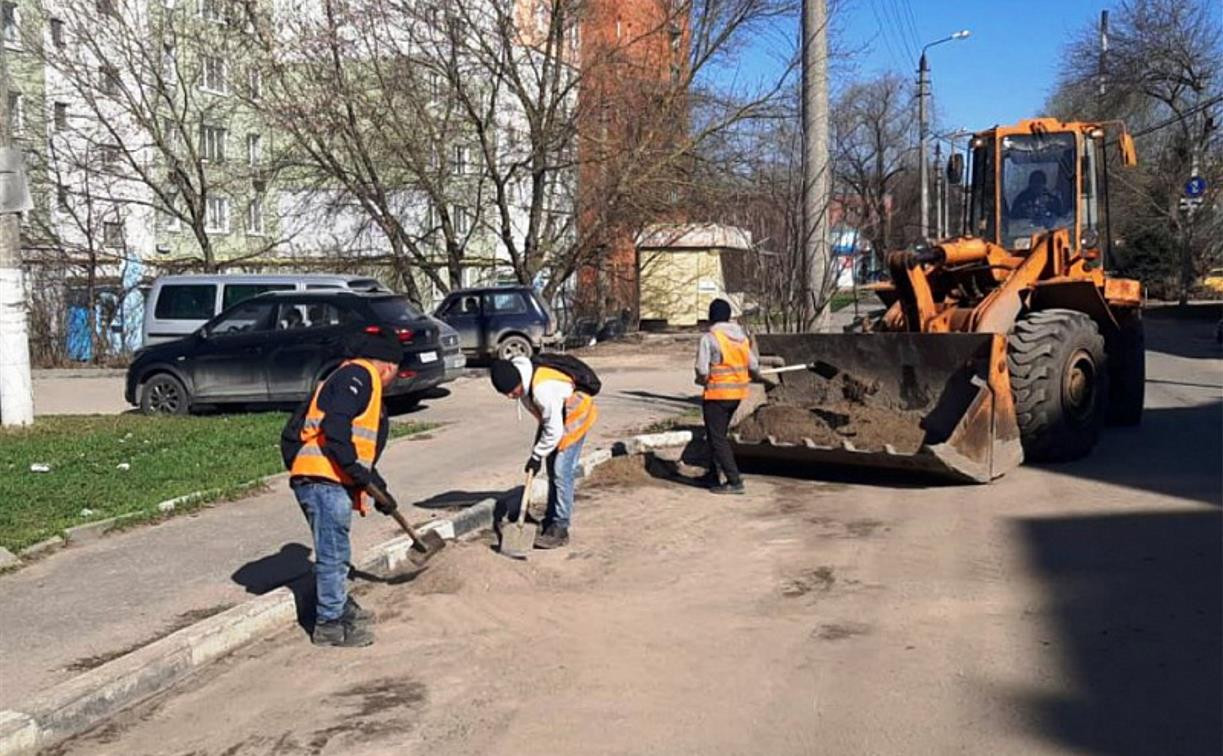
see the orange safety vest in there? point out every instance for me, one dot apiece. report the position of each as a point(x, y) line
point(580, 409)
point(312, 461)
point(729, 379)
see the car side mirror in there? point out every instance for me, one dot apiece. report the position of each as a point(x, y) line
point(955, 169)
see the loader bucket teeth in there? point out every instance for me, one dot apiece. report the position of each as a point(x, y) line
point(951, 390)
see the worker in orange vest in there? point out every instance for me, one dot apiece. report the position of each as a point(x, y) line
point(331, 449)
point(565, 414)
point(725, 365)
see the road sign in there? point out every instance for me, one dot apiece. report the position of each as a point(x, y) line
point(1190, 203)
point(1195, 187)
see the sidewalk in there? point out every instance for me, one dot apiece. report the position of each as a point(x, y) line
point(86, 605)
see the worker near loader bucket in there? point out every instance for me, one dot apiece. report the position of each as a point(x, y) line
point(331, 447)
point(565, 414)
point(725, 365)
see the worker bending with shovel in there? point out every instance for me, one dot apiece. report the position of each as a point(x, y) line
point(725, 365)
point(566, 414)
point(331, 450)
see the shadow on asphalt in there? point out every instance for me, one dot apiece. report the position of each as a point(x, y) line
point(458, 499)
point(1190, 333)
point(1176, 452)
point(1137, 600)
point(683, 401)
point(290, 567)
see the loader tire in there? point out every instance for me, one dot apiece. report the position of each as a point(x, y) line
point(1059, 376)
point(1127, 363)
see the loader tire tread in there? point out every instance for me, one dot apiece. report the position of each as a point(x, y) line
point(1041, 348)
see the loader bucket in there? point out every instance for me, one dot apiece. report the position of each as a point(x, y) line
point(947, 395)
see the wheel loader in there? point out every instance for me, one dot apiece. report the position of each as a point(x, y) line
point(1008, 342)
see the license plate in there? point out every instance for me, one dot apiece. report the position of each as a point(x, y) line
point(428, 356)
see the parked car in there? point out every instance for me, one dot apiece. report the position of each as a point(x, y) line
point(502, 321)
point(274, 348)
point(1214, 281)
point(178, 305)
point(452, 351)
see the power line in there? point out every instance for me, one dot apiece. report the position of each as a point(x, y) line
point(887, 41)
point(1178, 118)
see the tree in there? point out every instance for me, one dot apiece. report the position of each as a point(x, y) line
point(1164, 77)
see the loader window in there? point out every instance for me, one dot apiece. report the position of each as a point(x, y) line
point(1038, 191)
point(981, 220)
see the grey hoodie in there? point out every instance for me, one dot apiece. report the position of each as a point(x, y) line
point(708, 353)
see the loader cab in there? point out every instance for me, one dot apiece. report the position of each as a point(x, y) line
point(1038, 177)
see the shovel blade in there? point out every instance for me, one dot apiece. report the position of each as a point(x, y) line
point(517, 540)
point(430, 543)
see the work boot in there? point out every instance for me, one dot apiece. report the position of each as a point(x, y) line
point(355, 613)
point(342, 633)
point(735, 489)
point(553, 537)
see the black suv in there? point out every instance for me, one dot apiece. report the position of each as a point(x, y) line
point(501, 321)
point(275, 347)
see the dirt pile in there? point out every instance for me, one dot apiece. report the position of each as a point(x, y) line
point(854, 414)
point(628, 470)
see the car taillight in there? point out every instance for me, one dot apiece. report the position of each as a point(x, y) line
point(407, 373)
point(405, 335)
point(374, 330)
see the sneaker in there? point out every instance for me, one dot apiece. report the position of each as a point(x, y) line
point(735, 489)
point(355, 613)
point(341, 633)
point(553, 537)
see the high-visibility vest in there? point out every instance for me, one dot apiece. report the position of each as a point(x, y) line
point(580, 409)
point(312, 461)
point(729, 379)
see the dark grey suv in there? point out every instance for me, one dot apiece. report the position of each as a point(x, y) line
point(501, 321)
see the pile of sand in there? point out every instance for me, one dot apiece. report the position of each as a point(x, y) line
point(856, 418)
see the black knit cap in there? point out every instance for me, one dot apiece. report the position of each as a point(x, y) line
point(375, 346)
point(719, 311)
point(505, 376)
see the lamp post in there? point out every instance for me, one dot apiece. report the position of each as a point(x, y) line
point(923, 126)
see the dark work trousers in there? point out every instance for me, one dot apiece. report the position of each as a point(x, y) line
point(718, 413)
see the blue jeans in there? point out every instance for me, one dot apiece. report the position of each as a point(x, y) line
point(328, 509)
point(562, 479)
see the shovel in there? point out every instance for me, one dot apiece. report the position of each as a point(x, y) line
point(424, 545)
point(819, 367)
point(516, 540)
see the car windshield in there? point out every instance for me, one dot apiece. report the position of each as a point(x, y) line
point(1038, 191)
point(394, 310)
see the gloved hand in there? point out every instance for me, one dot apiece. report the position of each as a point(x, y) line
point(383, 501)
point(533, 465)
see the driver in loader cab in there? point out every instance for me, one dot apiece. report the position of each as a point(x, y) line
point(1037, 203)
point(725, 364)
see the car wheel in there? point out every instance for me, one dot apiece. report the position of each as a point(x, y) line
point(163, 394)
point(514, 346)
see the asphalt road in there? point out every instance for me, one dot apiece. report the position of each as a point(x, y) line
point(1062, 609)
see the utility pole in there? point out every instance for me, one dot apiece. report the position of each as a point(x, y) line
point(923, 133)
point(816, 172)
point(16, 388)
point(1102, 68)
point(940, 220)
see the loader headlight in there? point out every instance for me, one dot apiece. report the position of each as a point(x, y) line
point(1090, 240)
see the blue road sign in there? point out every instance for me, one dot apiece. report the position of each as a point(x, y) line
point(1195, 187)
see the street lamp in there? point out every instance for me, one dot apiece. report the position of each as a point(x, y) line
point(923, 128)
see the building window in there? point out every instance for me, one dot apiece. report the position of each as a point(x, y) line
point(12, 30)
point(16, 112)
point(105, 7)
point(460, 159)
point(112, 234)
point(61, 198)
point(458, 215)
point(216, 216)
point(57, 33)
point(254, 149)
point(254, 216)
point(169, 213)
point(110, 155)
point(108, 80)
point(254, 80)
point(169, 63)
point(212, 143)
point(214, 75)
point(61, 116)
point(212, 10)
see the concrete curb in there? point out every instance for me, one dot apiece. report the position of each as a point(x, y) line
point(75, 706)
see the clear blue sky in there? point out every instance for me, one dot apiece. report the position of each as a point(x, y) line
point(1002, 73)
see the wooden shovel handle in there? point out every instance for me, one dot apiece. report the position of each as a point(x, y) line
point(385, 500)
point(526, 499)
